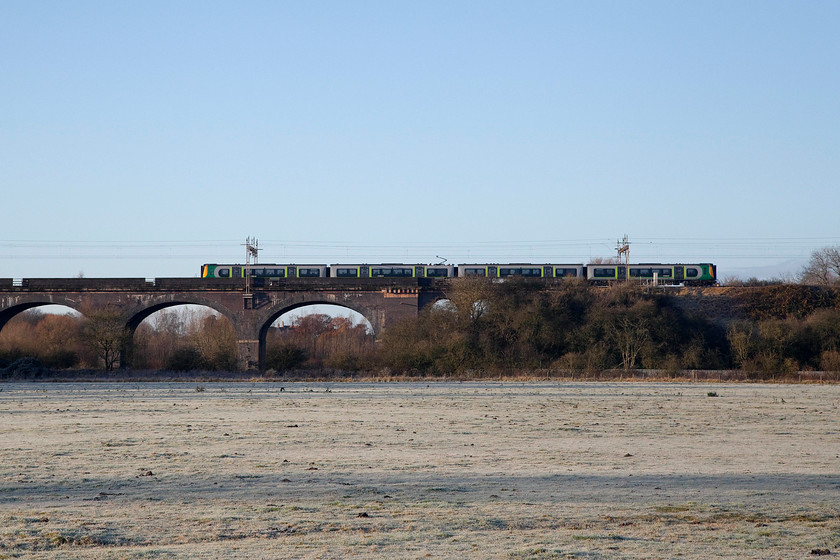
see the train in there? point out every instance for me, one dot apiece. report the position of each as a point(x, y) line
point(690, 274)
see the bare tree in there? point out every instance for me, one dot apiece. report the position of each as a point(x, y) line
point(742, 342)
point(215, 337)
point(312, 327)
point(823, 269)
point(469, 297)
point(631, 335)
point(106, 332)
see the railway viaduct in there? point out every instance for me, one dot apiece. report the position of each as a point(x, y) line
point(250, 309)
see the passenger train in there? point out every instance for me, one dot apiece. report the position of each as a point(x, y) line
point(699, 274)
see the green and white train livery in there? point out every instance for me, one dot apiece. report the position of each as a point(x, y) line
point(700, 274)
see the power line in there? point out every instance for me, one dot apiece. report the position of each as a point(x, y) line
point(553, 250)
point(398, 244)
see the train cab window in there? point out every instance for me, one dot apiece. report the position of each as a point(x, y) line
point(475, 272)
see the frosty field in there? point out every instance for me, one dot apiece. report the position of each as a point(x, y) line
point(417, 470)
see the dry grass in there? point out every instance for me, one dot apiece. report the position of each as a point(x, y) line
point(416, 470)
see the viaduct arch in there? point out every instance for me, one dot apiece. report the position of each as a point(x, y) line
point(250, 311)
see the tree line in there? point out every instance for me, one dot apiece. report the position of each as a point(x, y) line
point(99, 339)
point(484, 328)
point(780, 331)
point(184, 339)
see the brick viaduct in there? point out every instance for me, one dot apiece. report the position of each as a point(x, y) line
point(250, 310)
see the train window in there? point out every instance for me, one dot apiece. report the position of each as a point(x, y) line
point(223, 273)
point(309, 272)
point(395, 272)
point(346, 272)
point(437, 272)
point(663, 272)
point(475, 272)
point(524, 271)
point(565, 272)
point(691, 272)
point(604, 273)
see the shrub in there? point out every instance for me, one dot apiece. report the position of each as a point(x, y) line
point(224, 361)
point(62, 359)
point(830, 361)
point(284, 357)
point(186, 359)
point(344, 361)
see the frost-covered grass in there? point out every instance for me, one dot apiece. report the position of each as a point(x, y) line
point(416, 470)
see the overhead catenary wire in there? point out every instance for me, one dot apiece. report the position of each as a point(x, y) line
point(645, 249)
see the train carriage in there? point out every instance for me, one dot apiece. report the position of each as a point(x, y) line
point(689, 274)
point(273, 271)
point(386, 270)
point(523, 270)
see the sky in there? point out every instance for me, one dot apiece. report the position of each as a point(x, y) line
point(143, 139)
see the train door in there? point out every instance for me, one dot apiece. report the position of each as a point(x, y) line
point(621, 273)
point(291, 272)
point(237, 271)
point(419, 272)
point(492, 272)
point(364, 271)
point(679, 274)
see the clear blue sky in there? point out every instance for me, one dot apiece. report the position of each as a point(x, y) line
point(146, 138)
